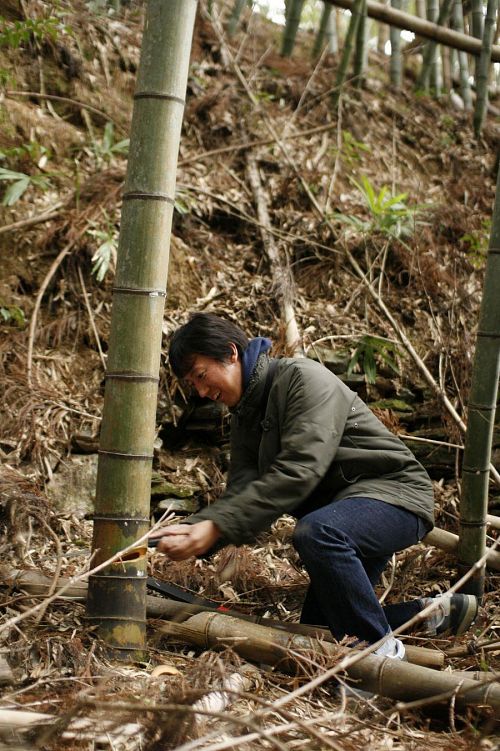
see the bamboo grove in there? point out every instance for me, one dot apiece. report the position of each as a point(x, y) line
point(453, 45)
point(454, 41)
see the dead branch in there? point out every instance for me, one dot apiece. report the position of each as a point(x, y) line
point(280, 269)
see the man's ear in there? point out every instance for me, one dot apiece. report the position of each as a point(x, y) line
point(234, 352)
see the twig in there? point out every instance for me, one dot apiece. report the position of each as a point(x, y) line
point(289, 121)
point(244, 146)
point(338, 155)
point(68, 100)
point(57, 573)
point(48, 277)
point(282, 234)
point(46, 216)
point(406, 437)
point(183, 709)
point(91, 316)
point(280, 270)
point(391, 580)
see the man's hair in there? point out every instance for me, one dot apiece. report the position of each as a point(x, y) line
point(204, 334)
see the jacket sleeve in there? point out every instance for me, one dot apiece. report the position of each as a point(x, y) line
point(312, 414)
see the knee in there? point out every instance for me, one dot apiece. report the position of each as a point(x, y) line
point(311, 535)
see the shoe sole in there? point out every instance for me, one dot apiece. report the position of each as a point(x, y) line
point(467, 614)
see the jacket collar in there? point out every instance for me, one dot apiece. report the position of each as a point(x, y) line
point(253, 392)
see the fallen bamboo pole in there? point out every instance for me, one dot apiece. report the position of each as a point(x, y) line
point(448, 542)
point(422, 28)
point(394, 679)
point(161, 607)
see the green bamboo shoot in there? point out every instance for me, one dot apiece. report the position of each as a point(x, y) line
point(117, 595)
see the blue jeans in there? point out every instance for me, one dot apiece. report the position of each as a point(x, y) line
point(344, 547)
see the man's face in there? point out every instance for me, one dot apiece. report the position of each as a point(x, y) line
point(219, 381)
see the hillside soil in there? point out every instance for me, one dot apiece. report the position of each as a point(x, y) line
point(65, 113)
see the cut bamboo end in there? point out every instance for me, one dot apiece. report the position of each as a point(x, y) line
point(448, 542)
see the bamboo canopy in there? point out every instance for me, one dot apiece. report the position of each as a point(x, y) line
point(395, 679)
point(128, 425)
point(422, 28)
point(481, 414)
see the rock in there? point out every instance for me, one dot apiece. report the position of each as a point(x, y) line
point(72, 487)
point(335, 360)
point(179, 505)
point(162, 488)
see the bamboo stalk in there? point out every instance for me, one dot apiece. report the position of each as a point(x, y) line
point(463, 63)
point(395, 679)
point(234, 18)
point(293, 15)
point(483, 66)
point(128, 425)
point(430, 62)
point(321, 34)
point(361, 50)
point(481, 414)
point(396, 64)
point(347, 50)
point(477, 18)
point(420, 27)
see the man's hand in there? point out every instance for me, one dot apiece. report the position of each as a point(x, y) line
point(181, 541)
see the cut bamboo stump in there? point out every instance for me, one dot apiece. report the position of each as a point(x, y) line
point(394, 679)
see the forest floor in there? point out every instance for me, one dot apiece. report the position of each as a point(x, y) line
point(323, 173)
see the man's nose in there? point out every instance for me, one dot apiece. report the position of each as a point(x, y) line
point(202, 390)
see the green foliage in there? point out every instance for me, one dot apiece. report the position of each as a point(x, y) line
point(351, 148)
point(20, 182)
point(104, 258)
point(370, 351)
point(184, 202)
point(12, 314)
point(477, 242)
point(105, 149)
point(388, 215)
point(14, 33)
point(33, 151)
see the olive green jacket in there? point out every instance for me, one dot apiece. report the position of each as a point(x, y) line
point(313, 443)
